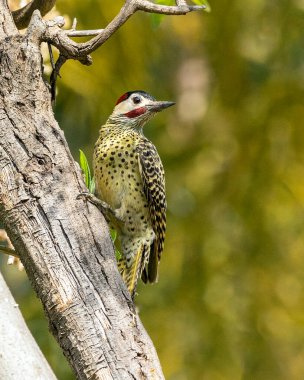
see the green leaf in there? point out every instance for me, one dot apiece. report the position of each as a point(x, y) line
point(85, 168)
point(157, 18)
point(203, 2)
point(92, 185)
point(117, 254)
point(113, 234)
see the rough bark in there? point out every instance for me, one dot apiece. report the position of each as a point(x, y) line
point(63, 242)
point(20, 356)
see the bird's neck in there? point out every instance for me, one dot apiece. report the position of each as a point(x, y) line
point(124, 124)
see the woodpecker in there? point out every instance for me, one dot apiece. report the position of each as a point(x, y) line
point(130, 182)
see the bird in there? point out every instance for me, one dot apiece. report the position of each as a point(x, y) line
point(130, 183)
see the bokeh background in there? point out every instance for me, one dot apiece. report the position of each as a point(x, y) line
point(229, 304)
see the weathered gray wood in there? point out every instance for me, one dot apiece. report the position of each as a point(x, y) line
point(63, 242)
point(20, 356)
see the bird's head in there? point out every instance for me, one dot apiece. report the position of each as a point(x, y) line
point(135, 108)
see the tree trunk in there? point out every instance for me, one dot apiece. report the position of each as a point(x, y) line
point(20, 356)
point(63, 242)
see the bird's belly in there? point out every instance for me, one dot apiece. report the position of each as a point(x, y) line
point(129, 204)
point(120, 185)
point(111, 190)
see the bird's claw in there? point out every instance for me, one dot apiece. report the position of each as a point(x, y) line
point(85, 195)
point(101, 205)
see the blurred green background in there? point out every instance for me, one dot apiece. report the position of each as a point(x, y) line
point(229, 304)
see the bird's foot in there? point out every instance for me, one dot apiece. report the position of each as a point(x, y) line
point(104, 207)
point(101, 205)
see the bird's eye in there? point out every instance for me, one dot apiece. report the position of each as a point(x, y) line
point(136, 99)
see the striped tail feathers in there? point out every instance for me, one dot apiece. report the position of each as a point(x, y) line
point(132, 273)
point(153, 264)
point(143, 264)
point(150, 271)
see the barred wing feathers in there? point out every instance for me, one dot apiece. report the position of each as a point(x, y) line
point(153, 178)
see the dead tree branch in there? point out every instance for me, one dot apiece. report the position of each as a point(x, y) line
point(72, 50)
point(51, 32)
point(20, 356)
point(8, 249)
point(83, 33)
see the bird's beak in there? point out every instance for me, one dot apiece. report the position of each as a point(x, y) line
point(157, 106)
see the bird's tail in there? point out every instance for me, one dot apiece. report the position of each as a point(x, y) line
point(150, 271)
point(132, 273)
